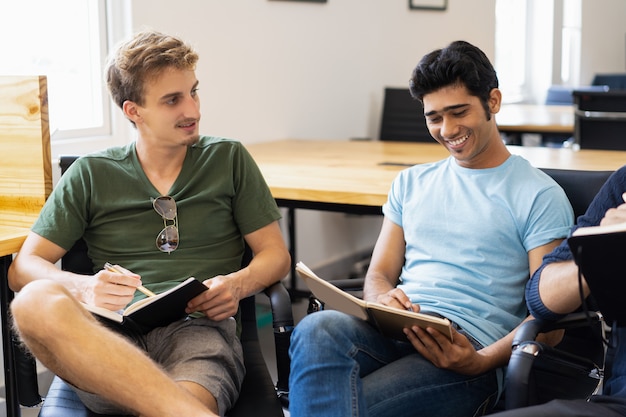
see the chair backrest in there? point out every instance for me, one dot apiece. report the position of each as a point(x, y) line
point(76, 259)
point(563, 95)
point(403, 117)
point(579, 186)
point(613, 81)
point(600, 119)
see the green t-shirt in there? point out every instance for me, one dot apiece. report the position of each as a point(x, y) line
point(106, 197)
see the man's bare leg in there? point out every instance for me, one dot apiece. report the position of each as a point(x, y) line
point(73, 345)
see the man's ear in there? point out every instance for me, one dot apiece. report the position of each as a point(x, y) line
point(131, 111)
point(495, 100)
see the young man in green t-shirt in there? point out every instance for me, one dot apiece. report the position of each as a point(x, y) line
point(170, 205)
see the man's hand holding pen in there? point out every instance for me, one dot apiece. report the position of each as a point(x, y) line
point(114, 288)
point(118, 269)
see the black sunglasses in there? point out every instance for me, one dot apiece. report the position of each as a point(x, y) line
point(167, 239)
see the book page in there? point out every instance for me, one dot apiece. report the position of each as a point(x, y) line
point(391, 321)
point(598, 230)
point(335, 298)
point(155, 311)
point(101, 311)
point(149, 300)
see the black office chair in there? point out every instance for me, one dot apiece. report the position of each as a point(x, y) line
point(403, 118)
point(573, 369)
point(561, 95)
point(600, 119)
point(537, 373)
point(259, 396)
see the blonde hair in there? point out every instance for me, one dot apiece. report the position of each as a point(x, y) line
point(142, 58)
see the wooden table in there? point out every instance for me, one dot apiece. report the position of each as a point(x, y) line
point(355, 176)
point(25, 183)
point(11, 239)
point(536, 118)
point(359, 173)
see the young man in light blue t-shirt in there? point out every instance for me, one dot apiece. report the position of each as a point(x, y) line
point(459, 240)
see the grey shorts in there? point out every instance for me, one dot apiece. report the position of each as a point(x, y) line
point(195, 349)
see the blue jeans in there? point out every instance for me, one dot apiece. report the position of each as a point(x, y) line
point(341, 366)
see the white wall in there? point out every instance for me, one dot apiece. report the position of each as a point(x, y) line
point(284, 69)
point(603, 40)
point(276, 69)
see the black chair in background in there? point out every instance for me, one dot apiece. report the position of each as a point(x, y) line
point(560, 95)
point(612, 81)
point(600, 119)
point(403, 118)
point(259, 396)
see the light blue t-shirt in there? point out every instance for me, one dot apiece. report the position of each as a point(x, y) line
point(468, 233)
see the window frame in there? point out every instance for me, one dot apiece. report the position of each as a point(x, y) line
point(115, 24)
point(548, 55)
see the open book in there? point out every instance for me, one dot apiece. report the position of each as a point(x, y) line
point(600, 230)
point(157, 311)
point(388, 320)
point(599, 253)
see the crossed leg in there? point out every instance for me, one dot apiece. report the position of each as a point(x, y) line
point(73, 345)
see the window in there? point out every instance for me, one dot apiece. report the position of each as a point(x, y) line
point(571, 38)
point(66, 40)
point(537, 45)
point(510, 48)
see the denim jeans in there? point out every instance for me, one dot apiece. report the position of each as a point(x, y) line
point(341, 366)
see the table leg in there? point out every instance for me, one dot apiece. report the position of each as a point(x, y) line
point(291, 227)
point(293, 276)
point(10, 378)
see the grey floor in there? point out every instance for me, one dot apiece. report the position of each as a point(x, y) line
point(265, 335)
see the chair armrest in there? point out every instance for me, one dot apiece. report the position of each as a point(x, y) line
point(283, 324)
point(537, 373)
point(280, 303)
point(531, 329)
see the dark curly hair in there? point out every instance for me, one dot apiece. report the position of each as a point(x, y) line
point(458, 63)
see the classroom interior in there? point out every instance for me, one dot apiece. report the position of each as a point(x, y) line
point(276, 69)
point(272, 70)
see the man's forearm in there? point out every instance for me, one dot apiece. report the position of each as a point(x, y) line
point(266, 268)
point(375, 284)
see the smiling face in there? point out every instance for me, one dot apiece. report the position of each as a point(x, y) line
point(458, 121)
point(170, 112)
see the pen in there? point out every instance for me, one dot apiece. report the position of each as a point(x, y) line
point(111, 268)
